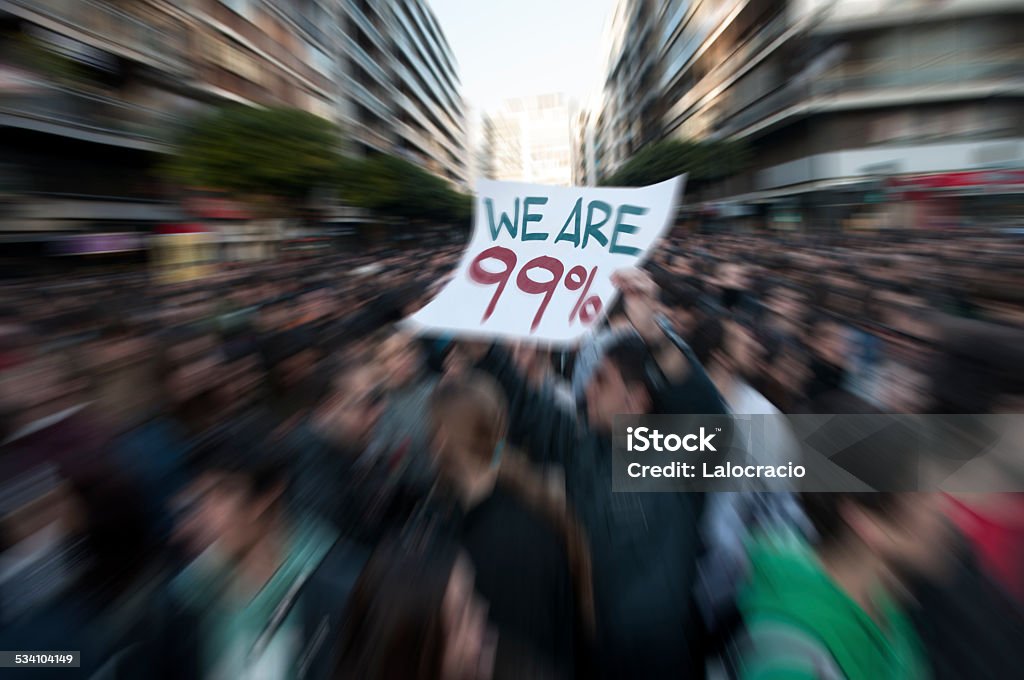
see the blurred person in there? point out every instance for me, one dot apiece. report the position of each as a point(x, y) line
point(117, 597)
point(40, 555)
point(332, 480)
point(787, 307)
point(151, 448)
point(291, 359)
point(402, 435)
point(729, 353)
point(274, 316)
point(531, 559)
point(268, 594)
point(414, 614)
point(96, 590)
point(244, 379)
point(60, 567)
point(784, 375)
point(117, 360)
point(833, 610)
point(900, 388)
point(311, 307)
point(980, 371)
point(972, 621)
point(54, 440)
point(593, 346)
point(535, 364)
point(644, 546)
point(731, 280)
point(42, 394)
point(191, 372)
point(556, 404)
point(680, 304)
point(909, 331)
point(830, 343)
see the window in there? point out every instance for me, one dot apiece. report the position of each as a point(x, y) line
point(890, 127)
point(668, 27)
point(244, 7)
point(319, 60)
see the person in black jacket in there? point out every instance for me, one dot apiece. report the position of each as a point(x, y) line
point(531, 561)
point(331, 482)
point(644, 546)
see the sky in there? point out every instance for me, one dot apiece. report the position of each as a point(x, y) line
point(510, 48)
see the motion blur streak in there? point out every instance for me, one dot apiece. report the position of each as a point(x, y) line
point(220, 458)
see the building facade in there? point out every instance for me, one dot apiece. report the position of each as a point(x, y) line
point(480, 141)
point(584, 157)
point(627, 116)
point(92, 93)
point(842, 102)
point(264, 53)
point(399, 85)
point(533, 141)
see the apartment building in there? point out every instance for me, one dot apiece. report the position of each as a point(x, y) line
point(93, 91)
point(532, 140)
point(843, 103)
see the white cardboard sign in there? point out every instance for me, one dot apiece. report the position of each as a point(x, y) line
point(540, 260)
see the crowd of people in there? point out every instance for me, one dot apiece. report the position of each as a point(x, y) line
point(257, 473)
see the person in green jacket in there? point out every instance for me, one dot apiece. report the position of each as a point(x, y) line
point(832, 611)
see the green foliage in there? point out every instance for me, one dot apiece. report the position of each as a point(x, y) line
point(279, 157)
point(279, 154)
point(393, 187)
point(704, 161)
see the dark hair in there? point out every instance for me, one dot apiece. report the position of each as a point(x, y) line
point(394, 627)
point(118, 533)
point(283, 346)
point(631, 356)
point(681, 295)
point(707, 338)
point(824, 511)
point(243, 449)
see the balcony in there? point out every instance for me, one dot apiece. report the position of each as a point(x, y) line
point(419, 107)
point(368, 27)
point(371, 138)
point(431, 48)
point(108, 27)
point(445, 91)
point(786, 96)
point(367, 98)
point(881, 74)
point(375, 70)
point(84, 115)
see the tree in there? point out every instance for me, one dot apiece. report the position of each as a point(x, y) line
point(704, 161)
point(274, 156)
point(390, 186)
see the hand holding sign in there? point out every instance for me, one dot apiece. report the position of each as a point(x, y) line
point(540, 263)
point(639, 293)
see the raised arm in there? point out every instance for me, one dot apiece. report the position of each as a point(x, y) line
point(687, 387)
point(538, 423)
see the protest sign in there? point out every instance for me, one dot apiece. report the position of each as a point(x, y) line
point(540, 260)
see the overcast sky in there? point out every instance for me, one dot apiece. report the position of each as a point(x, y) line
point(510, 48)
